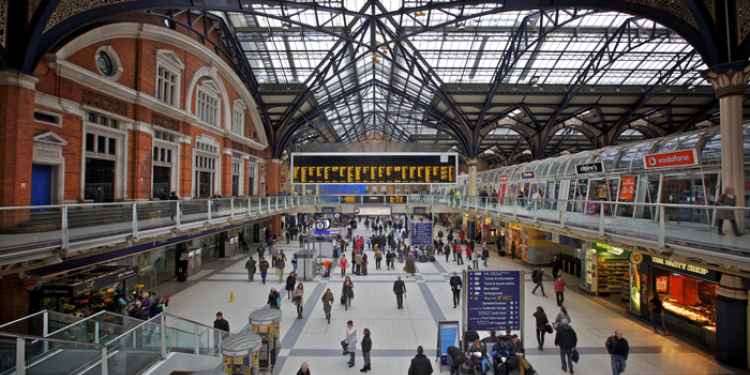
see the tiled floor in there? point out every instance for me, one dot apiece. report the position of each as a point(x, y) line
point(397, 333)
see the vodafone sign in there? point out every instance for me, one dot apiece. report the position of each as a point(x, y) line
point(683, 158)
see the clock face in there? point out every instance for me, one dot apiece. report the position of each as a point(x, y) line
point(105, 64)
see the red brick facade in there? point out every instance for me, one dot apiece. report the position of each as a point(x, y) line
point(70, 85)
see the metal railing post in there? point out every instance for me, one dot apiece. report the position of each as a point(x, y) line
point(20, 356)
point(45, 329)
point(64, 231)
point(96, 332)
point(105, 360)
point(208, 205)
point(163, 334)
point(662, 237)
point(135, 220)
point(178, 214)
point(601, 219)
point(196, 341)
point(285, 204)
point(268, 201)
point(249, 206)
point(231, 208)
point(563, 215)
point(276, 202)
point(220, 344)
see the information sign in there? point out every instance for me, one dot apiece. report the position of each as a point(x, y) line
point(494, 300)
point(682, 158)
point(596, 167)
point(448, 335)
point(421, 234)
point(380, 168)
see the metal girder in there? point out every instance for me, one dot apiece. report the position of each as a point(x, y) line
point(665, 79)
point(519, 44)
point(627, 35)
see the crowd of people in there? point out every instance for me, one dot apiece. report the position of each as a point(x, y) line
point(387, 240)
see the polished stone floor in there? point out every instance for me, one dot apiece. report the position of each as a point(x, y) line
point(397, 333)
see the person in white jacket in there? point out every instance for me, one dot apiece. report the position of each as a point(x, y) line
point(349, 344)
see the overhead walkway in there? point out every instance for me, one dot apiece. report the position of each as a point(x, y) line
point(42, 232)
point(104, 343)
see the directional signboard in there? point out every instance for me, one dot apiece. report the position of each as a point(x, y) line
point(494, 300)
point(421, 234)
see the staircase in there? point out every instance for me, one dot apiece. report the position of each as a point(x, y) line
point(103, 344)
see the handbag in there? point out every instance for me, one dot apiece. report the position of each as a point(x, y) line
point(548, 328)
point(574, 356)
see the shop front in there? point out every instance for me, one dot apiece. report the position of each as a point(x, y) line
point(515, 243)
point(607, 271)
point(85, 292)
point(688, 293)
point(571, 254)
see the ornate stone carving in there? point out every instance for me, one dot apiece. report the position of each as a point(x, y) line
point(675, 7)
point(729, 81)
point(69, 8)
point(107, 103)
point(3, 20)
point(743, 19)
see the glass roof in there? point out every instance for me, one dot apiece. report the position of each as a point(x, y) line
point(374, 69)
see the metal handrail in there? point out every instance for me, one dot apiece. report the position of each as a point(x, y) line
point(91, 317)
point(41, 312)
point(133, 329)
point(49, 339)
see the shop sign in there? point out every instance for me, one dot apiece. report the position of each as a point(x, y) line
point(527, 175)
point(503, 179)
point(682, 158)
point(597, 167)
point(609, 248)
point(686, 268)
point(419, 210)
point(627, 188)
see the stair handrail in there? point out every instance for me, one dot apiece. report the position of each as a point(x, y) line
point(41, 312)
point(49, 339)
point(132, 329)
point(90, 317)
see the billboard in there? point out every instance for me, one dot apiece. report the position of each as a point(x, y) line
point(374, 168)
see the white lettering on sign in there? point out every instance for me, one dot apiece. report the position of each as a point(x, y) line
point(681, 266)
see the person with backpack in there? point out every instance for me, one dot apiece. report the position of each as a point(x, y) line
point(420, 364)
point(537, 276)
point(263, 265)
point(274, 299)
point(542, 326)
point(567, 340)
point(618, 350)
point(291, 283)
point(456, 284)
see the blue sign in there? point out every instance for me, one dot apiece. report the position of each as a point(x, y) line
point(493, 300)
point(421, 234)
point(448, 335)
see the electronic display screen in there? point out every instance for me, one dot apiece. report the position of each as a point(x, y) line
point(380, 168)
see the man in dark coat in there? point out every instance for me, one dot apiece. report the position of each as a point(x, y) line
point(399, 288)
point(618, 349)
point(456, 285)
point(420, 364)
point(250, 267)
point(536, 276)
point(567, 340)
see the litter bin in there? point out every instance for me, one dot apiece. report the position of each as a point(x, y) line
point(305, 266)
point(241, 353)
point(265, 322)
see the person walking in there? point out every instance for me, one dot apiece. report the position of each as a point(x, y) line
point(347, 292)
point(485, 254)
point(724, 214)
point(304, 369)
point(274, 299)
point(327, 303)
point(657, 320)
point(350, 342)
point(297, 298)
point(618, 350)
point(263, 265)
point(291, 282)
point(562, 318)
point(556, 266)
point(541, 326)
point(567, 340)
point(399, 288)
point(559, 290)
point(537, 277)
point(343, 262)
point(475, 259)
point(250, 267)
point(447, 252)
point(222, 329)
point(378, 257)
point(366, 348)
point(456, 284)
point(390, 256)
point(280, 264)
point(420, 364)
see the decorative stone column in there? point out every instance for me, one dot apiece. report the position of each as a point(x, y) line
point(473, 165)
point(729, 84)
point(731, 321)
point(273, 187)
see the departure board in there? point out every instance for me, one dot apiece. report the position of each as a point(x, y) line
point(380, 168)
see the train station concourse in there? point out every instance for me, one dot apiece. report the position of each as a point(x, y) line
point(416, 187)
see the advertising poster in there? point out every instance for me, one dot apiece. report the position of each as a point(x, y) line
point(627, 188)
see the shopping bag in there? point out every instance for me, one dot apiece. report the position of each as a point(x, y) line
point(548, 328)
point(574, 356)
